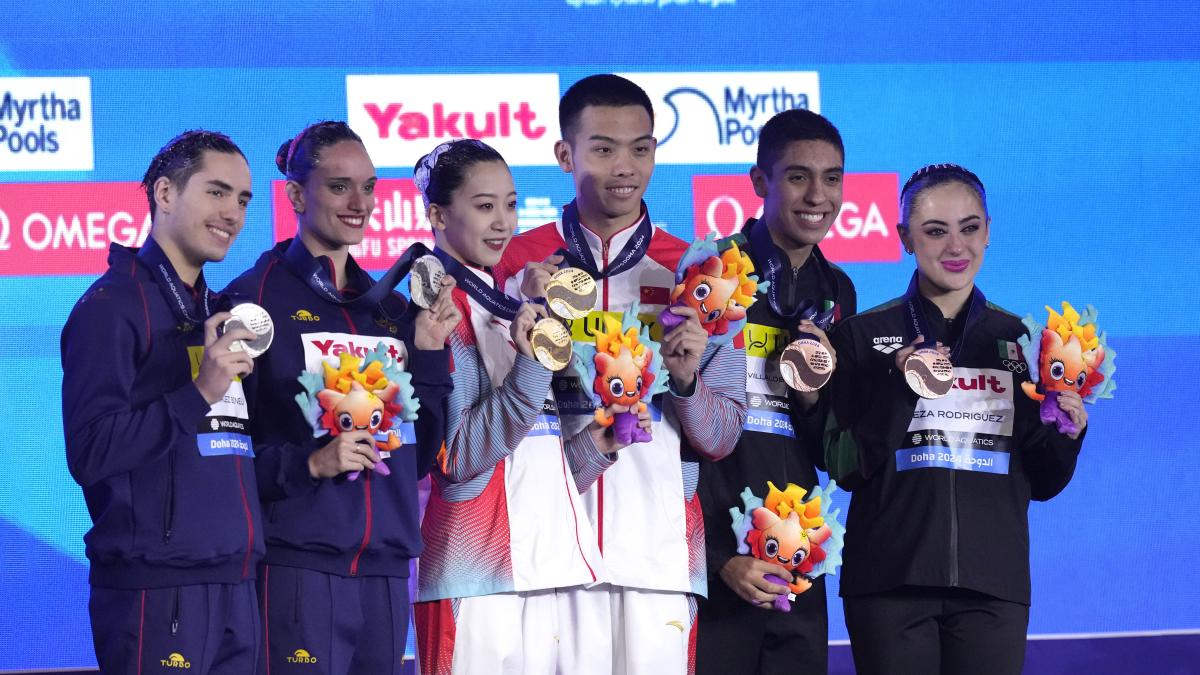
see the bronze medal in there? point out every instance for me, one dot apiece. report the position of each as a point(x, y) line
point(929, 373)
point(806, 365)
point(571, 293)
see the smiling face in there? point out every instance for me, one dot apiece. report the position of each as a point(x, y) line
point(619, 379)
point(335, 204)
point(358, 410)
point(198, 221)
point(782, 541)
point(481, 217)
point(947, 232)
point(801, 193)
point(611, 157)
point(1063, 367)
point(706, 291)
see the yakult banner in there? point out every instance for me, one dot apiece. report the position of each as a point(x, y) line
point(397, 221)
point(714, 118)
point(402, 117)
point(45, 124)
point(65, 228)
point(864, 231)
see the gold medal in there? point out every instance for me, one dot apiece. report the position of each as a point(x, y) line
point(571, 293)
point(551, 342)
point(929, 373)
point(425, 280)
point(254, 319)
point(806, 365)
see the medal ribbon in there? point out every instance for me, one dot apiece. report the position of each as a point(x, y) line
point(492, 299)
point(316, 275)
point(183, 304)
point(579, 254)
point(763, 248)
point(918, 324)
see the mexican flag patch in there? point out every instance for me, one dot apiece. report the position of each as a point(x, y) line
point(1008, 350)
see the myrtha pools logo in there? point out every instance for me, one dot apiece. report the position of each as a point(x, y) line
point(45, 124)
point(715, 118)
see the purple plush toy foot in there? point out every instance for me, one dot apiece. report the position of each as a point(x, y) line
point(781, 603)
point(670, 320)
point(626, 429)
point(1052, 414)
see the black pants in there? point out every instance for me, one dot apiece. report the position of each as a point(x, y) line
point(734, 637)
point(936, 630)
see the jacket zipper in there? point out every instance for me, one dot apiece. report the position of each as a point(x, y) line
point(169, 506)
point(366, 475)
point(791, 299)
point(953, 507)
point(367, 529)
point(175, 613)
point(953, 531)
point(600, 480)
point(249, 520)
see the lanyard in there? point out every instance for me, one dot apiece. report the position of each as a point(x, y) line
point(182, 303)
point(918, 324)
point(762, 247)
point(316, 275)
point(579, 254)
point(492, 299)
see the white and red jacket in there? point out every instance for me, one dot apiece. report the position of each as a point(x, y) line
point(642, 501)
point(504, 514)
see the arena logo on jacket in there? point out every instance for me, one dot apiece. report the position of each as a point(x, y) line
point(223, 431)
point(327, 348)
point(969, 429)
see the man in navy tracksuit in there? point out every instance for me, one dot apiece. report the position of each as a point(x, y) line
point(157, 431)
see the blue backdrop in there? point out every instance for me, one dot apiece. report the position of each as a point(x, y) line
point(1079, 118)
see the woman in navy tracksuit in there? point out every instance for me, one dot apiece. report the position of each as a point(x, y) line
point(341, 522)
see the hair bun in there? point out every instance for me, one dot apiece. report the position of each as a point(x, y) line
point(281, 156)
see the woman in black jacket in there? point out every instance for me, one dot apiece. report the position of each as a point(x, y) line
point(936, 573)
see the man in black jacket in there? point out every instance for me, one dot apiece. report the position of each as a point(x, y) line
point(798, 174)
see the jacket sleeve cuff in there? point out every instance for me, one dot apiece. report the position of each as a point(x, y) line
point(294, 469)
point(188, 406)
point(587, 462)
point(430, 367)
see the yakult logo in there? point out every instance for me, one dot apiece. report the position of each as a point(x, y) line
point(402, 117)
point(321, 348)
point(715, 118)
point(864, 231)
point(65, 228)
point(45, 124)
